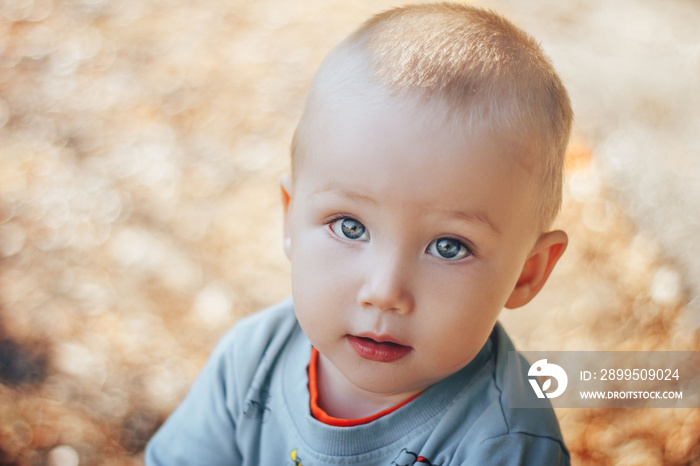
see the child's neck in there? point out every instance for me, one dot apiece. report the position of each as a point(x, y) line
point(342, 399)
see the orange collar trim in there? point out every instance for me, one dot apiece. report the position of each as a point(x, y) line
point(324, 417)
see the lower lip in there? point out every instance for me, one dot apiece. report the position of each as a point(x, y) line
point(378, 351)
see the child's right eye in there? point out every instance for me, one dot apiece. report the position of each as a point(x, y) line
point(350, 228)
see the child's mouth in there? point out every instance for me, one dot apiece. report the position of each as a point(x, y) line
point(381, 351)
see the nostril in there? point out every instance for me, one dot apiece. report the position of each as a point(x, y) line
point(398, 302)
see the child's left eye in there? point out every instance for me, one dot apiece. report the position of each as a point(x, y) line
point(449, 249)
point(350, 228)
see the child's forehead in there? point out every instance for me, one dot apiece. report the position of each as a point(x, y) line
point(347, 92)
point(367, 117)
point(360, 99)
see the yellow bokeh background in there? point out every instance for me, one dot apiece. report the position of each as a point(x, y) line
point(141, 145)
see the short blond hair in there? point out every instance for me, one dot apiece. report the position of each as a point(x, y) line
point(490, 73)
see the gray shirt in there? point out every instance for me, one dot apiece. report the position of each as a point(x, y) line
point(250, 406)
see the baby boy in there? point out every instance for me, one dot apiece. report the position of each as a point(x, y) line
point(426, 172)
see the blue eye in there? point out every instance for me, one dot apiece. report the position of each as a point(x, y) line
point(448, 248)
point(350, 228)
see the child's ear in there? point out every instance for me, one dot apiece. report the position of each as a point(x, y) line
point(542, 259)
point(286, 187)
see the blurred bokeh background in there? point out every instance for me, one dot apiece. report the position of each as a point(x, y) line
point(141, 143)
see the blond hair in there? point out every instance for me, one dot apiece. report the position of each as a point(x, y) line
point(485, 70)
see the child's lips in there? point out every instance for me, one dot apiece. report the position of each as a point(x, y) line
point(378, 348)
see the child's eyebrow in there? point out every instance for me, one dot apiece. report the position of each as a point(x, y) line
point(480, 217)
point(354, 195)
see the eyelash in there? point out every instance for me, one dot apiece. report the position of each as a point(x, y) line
point(463, 251)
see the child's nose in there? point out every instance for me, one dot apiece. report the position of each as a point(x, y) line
point(387, 285)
